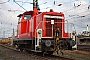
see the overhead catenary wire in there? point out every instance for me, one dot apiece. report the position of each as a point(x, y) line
point(4, 2)
point(79, 10)
point(4, 24)
point(79, 22)
point(23, 3)
point(7, 13)
point(19, 5)
point(73, 8)
point(14, 14)
point(51, 6)
point(7, 16)
point(16, 10)
point(54, 3)
point(77, 15)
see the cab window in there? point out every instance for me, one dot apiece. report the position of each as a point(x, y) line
point(26, 16)
point(19, 19)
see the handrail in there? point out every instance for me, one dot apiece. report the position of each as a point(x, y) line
point(35, 33)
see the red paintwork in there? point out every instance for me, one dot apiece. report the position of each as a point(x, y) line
point(27, 28)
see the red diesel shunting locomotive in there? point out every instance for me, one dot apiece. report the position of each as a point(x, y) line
point(42, 32)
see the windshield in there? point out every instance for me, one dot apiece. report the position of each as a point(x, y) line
point(27, 16)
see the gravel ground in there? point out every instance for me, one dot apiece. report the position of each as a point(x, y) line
point(77, 54)
point(1, 59)
point(7, 54)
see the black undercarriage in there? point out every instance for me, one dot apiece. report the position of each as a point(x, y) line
point(46, 45)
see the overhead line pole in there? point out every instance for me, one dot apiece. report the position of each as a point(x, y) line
point(35, 4)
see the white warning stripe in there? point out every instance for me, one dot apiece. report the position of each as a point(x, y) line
point(57, 17)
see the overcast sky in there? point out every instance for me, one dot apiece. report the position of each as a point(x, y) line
point(76, 12)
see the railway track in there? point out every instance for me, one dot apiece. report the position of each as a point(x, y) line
point(84, 47)
point(37, 57)
point(56, 57)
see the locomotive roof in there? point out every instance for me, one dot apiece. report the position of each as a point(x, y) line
point(50, 12)
point(27, 12)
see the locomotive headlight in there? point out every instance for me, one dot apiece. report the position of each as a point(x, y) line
point(48, 43)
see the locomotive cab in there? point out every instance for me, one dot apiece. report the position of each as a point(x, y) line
point(22, 40)
point(25, 16)
point(23, 24)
